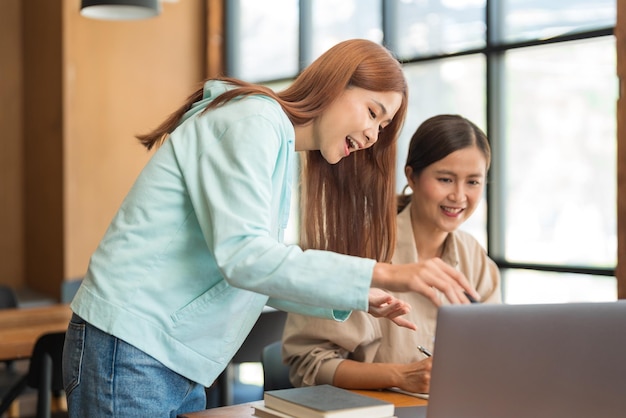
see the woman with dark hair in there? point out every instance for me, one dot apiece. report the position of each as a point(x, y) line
point(195, 252)
point(446, 169)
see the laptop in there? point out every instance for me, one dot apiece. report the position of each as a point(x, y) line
point(530, 361)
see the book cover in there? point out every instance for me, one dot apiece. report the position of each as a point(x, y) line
point(326, 401)
point(265, 412)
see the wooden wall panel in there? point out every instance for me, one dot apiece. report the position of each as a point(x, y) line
point(11, 154)
point(215, 38)
point(121, 78)
point(86, 88)
point(43, 144)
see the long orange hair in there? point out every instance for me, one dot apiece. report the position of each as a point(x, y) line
point(348, 207)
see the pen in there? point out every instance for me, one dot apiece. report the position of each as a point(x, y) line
point(424, 351)
point(470, 298)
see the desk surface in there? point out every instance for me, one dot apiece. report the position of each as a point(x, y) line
point(21, 327)
point(246, 410)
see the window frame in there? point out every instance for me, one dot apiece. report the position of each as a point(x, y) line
point(493, 52)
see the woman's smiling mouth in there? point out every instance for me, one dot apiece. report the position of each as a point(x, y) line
point(351, 144)
point(450, 211)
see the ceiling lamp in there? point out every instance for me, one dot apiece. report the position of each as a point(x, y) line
point(120, 9)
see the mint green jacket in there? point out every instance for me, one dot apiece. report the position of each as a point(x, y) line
point(195, 251)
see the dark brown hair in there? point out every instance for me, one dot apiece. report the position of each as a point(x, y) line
point(348, 207)
point(436, 138)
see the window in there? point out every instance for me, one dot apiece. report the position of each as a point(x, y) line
point(560, 153)
point(334, 21)
point(537, 75)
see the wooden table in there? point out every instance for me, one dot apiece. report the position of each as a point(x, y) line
point(21, 327)
point(245, 410)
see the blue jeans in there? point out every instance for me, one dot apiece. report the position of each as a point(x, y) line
point(106, 377)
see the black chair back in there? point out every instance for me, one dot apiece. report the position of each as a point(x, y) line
point(8, 298)
point(44, 374)
point(46, 361)
point(275, 372)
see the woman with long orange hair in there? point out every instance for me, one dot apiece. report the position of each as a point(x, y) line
point(195, 251)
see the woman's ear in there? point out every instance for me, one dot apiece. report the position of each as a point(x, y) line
point(408, 172)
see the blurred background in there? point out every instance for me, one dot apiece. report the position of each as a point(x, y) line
point(540, 77)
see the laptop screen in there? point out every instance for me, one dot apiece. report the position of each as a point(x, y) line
point(530, 361)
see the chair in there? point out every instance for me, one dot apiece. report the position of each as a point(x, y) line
point(44, 374)
point(228, 390)
point(8, 297)
point(69, 289)
point(275, 372)
point(8, 375)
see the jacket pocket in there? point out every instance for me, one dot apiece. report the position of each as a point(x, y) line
point(203, 304)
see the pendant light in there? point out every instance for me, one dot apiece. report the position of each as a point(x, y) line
point(120, 9)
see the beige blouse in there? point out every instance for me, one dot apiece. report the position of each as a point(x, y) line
point(314, 347)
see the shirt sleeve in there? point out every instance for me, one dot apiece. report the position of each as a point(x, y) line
point(306, 309)
point(314, 347)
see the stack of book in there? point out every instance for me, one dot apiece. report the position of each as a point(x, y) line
point(323, 401)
